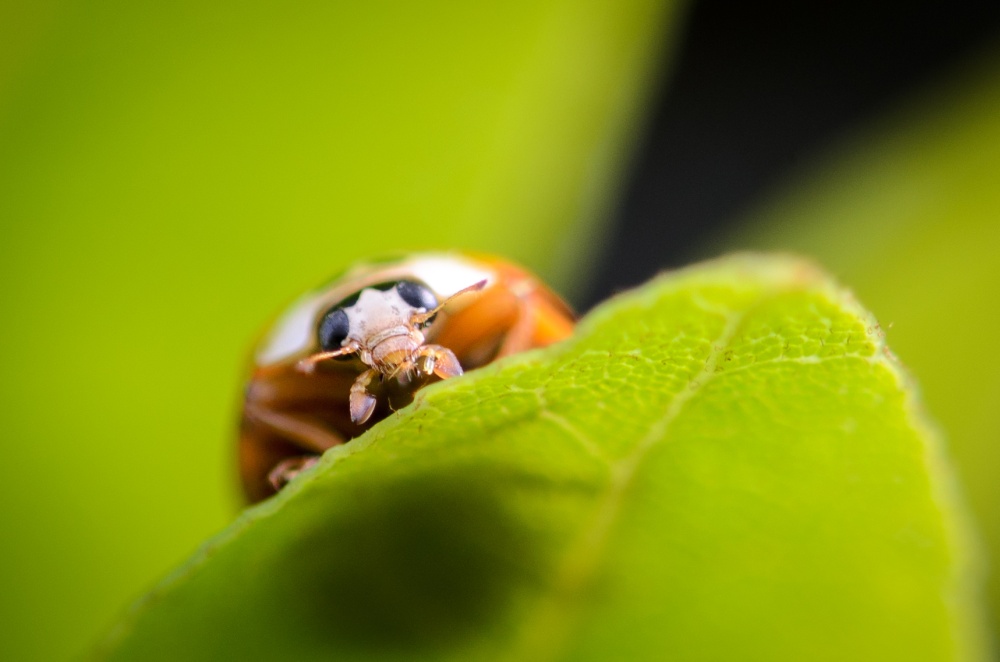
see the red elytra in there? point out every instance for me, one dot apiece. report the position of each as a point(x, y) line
point(298, 403)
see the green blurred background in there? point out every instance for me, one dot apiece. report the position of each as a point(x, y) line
point(172, 174)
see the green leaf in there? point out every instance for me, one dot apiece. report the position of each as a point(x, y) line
point(907, 212)
point(724, 464)
point(727, 463)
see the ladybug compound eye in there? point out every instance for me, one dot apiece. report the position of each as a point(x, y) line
point(333, 329)
point(416, 295)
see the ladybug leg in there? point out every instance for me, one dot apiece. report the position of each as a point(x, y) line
point(504, 320)
point(269, 437)
point(362, 401)
point(476, 331)
point(288, 469)
point(540, 321)
point(308, 364)
point(309, 434)
point(437, 360)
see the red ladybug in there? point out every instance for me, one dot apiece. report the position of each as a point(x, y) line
point(340, 359)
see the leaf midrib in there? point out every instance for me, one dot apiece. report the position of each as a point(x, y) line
point(555, 613)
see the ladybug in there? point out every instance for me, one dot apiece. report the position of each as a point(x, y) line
point(342, 358)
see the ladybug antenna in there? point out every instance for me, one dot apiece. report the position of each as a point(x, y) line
point(420, 318)
point(308, 364)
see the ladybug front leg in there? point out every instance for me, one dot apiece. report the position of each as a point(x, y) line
point(361, 399)
point(438, 360)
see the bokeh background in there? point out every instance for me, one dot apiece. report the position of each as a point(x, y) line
point(171, 174)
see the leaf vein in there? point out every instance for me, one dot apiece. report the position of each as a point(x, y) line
point(550, 628)
point(586, 442)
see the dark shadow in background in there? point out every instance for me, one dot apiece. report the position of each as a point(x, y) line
point(753, 93)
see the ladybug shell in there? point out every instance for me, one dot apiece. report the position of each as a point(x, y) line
point(289, 414)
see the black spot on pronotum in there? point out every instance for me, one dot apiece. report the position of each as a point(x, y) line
point(416, 295)
point(333, 329)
